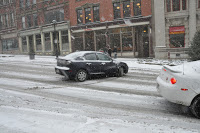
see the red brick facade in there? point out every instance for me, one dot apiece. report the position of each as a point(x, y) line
point(106, 9)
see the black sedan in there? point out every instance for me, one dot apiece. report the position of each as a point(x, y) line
point(83, 64)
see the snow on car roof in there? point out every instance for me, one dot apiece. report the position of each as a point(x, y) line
point(77, 54)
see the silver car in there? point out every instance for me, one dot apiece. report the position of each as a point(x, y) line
point(181, 84)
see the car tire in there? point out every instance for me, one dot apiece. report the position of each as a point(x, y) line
point(81, 75)
point(195, 107)
point(120, 72)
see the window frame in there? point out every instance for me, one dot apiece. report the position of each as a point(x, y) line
point(126, 9)
point(79, 13)
point(137, 9)
point(96, 17)
point(173, 5)
point(116, 12)
point(88, 15)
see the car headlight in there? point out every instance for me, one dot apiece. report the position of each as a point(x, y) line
point(67, 62)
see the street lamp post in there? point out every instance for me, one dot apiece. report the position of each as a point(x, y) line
point(55, 41)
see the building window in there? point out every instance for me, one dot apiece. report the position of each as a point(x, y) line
point(23, 23)
point(10, 44)
point(176, 5)
point(38, 43)
point(6, 20)
point(27, 3)
point(79, 16)
point(21, 3)
point(24, 44)
point(177, 36)
point(168, 4)
point(47, 42)
point(184, 4)
point(116, 10)
point(12, 20)
point(65, 41)
point(29, 22)
point(87, 15)
point(34, 1)
point(1, 22)
point(126, 9)
point(96, 13)
point(199, 3)
point(35, 20)
point(57, 15)
point(1, 2)
point(137, 7)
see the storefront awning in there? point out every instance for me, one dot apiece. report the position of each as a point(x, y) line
point(177, 30)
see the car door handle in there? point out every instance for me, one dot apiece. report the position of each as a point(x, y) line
point(103, 63)
point(88, 64)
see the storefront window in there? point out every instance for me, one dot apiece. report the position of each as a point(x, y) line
point(47, 42)
point(38, 43)
point(89, 41)
point(116, 9)
point(127, 44)
point(77, 39)
point(115, 38)
point(65, 40)
point(100, 40)
point(24, 44)
point(10, 44)
point(177, 37)
point(126, 9)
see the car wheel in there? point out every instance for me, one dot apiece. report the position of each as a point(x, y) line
point(195, 107)
point(120, 72)
point(81, 75)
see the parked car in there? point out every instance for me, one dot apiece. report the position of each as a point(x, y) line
point(181, 84)
point(80, 65)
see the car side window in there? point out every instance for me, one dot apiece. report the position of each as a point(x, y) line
point(103, 57)
point(90, 56)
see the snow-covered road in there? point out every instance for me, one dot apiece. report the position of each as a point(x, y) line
point(34, 99)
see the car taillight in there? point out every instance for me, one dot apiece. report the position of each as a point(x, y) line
point(173, 80)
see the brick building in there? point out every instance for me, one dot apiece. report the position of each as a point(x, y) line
point(122, 23)
point(80, 25)
point(8, 29)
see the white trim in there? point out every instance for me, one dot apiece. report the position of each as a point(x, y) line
point(113, 26)
point(62, 68)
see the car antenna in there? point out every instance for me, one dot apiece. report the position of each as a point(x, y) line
point(183, 66)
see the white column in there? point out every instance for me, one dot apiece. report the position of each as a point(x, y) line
point(27, 42)
point(60, 41)
point(70, 40)
point(192, 19)
point(43, 42)
point(159, 23)
point(52, 45)
point(20, 44)
point(34, 42)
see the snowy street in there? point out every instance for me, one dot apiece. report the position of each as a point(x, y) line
point(33, 99)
